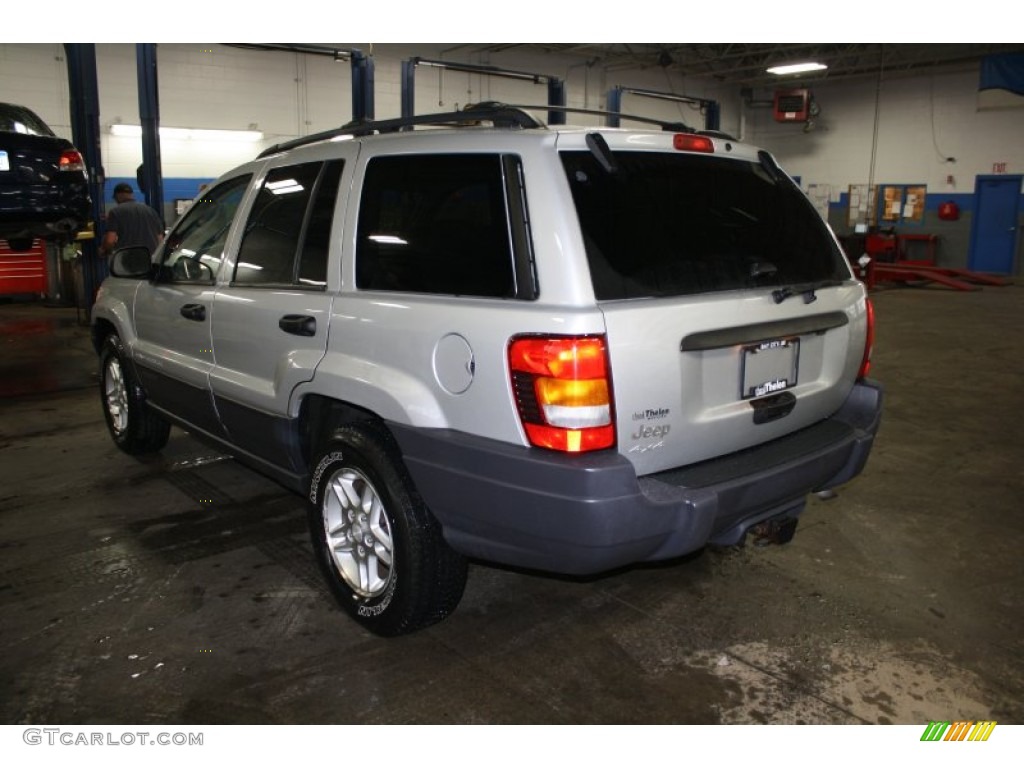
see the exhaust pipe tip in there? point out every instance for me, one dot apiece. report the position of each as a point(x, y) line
point(775, 531)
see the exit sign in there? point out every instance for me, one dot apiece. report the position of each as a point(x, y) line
point(998, 167)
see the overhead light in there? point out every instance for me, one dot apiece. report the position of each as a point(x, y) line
point(184, 134)
point(284, 186)
point(792, 69)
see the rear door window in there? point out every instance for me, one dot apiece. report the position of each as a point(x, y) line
point(287, 234)
point(678, 224)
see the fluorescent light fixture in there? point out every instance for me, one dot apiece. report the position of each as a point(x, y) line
point(792, 69)
point(188, 134)
point(388, 240)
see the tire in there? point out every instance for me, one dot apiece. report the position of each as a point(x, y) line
point(381, 550)
point(135, 428)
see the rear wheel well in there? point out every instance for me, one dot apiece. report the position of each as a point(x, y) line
point(320, 416)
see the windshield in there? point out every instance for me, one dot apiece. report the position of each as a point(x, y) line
point(675, 224)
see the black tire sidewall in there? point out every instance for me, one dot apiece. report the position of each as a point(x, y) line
point(113, 348)
point(358, 449)
point(146, 431)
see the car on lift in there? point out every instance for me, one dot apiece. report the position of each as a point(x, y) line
point(560, 348)
point(44, 189)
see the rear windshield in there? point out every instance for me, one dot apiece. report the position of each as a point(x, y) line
point(15, 119)
point(675, 224)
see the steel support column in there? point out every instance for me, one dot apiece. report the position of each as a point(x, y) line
point(151, 178)
point(712, 116)
point(408, 87)
point(613, 104)
point(362, 86)
point(556, 98)
point(85, 133)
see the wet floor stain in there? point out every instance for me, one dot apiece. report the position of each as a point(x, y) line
point(44, 354)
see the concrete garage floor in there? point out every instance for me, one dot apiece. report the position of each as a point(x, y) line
point(181, 589)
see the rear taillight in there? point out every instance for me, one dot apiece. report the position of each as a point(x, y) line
point(869, 342)
point(563, 392)
point(71, 160)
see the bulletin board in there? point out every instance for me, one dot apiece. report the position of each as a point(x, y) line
point(913, 204)
point(902, 203)
point(892, 203)
point(863, 203)
point(820, 195)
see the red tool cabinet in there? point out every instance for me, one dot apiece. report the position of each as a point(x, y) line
point(23, 271)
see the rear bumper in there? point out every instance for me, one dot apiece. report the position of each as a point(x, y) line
point(586, 514)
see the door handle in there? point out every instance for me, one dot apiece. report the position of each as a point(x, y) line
point(298, 325)
point(195, 312)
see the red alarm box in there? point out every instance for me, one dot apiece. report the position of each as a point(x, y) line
point(949, 211)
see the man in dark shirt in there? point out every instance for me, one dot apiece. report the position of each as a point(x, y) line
point(131, 223)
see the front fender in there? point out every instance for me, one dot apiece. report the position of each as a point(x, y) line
point(114, 307)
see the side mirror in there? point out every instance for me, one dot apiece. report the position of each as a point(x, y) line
point(191, 270)
point(134, 262)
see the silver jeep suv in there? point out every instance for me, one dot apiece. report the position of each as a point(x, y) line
point(567, 349)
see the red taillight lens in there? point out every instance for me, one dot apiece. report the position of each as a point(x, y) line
point(71, 160)
point(869, 342)
point(687, 142)
point(562, 391)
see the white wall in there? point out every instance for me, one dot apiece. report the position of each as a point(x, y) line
point(286, 95)
point(922, 121)
point(36, 77)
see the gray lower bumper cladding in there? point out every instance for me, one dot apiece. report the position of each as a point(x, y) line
point(590, 513)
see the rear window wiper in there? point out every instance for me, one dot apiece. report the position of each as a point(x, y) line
point(806, 290)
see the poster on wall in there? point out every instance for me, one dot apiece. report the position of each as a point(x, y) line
point(913, 205)
point(903, 203)
point(862, 205)
point(820, 194)
point(892, 203)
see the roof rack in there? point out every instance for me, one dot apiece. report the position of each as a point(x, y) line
point(498, 114)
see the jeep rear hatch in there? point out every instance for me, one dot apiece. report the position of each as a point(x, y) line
point(732, 317)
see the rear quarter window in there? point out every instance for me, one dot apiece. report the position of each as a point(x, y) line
point(678, 224)
point(435, 224)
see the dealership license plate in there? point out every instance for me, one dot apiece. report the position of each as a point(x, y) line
point(770, 367)
point(5, 161)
